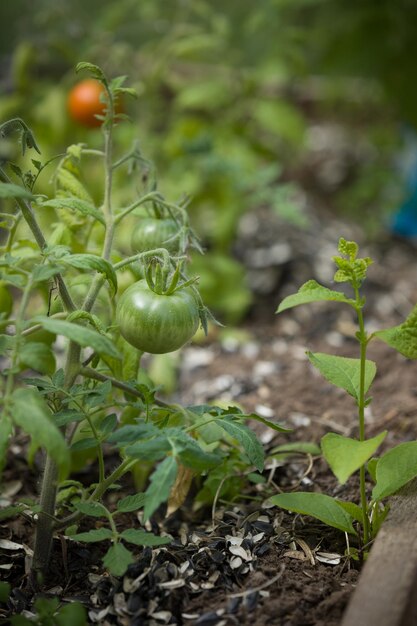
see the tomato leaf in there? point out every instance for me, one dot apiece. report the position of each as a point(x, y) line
point(32, 414)
point(37, 356)
point(143, 538)
point(161, 482)
point(92, 69)
point(9, 190)
point(247, 439)
point(343, 372)
point(92, 509)
point(90, 262)
point(118, 559)
point(345, 455)
point(395, 469)
point(312, 291)
point(131, 503)
point(317, 505)
point(85, 337)
point(76, 204)
point(91, 536)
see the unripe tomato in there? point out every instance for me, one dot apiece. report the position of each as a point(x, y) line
point(84, 102)
point(157, 323)
point(151, 233)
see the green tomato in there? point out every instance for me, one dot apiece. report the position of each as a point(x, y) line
point(157, 323)
point(151, 233)
point(6, 300)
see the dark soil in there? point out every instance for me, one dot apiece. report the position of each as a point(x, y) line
point(281, 578)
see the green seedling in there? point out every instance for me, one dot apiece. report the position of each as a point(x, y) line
point(346, 455)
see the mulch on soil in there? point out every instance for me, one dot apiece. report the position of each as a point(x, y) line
point(250, 563)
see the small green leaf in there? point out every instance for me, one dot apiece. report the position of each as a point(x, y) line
point(94, 70)
point(92, 509)
point(142, 538)
point(151, 449)
point(247, 439)
point(345, 455)
point(93, 536)
point(85, 337)
point(312, 291)
point(131, 503)
point(303, 447)
point(317, 505)
point(90, 262)
point(161, 482)
point(38, 357)
point(371, 467)
point(11, 511)
point(84, 444)
point(32, 414)
point(76, 204)
point(118, 559)
point(277, 427)
point(74, 614)
point(395, 469)
point(402, 338)
point(9, 190)
point(352, 509)
point(343, 372)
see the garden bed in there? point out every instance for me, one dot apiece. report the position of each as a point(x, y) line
point(244, 561)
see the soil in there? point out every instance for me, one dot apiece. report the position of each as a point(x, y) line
point(247, 562)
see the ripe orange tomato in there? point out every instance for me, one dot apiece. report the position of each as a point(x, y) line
point(84, 102)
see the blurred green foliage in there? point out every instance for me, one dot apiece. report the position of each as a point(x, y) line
point(227, 95)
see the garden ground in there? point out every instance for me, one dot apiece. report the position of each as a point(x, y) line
point(244, 561)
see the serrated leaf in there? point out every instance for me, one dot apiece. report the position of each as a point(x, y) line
point(143, 538)
point(66, 416)
point(84, 444)
point(343, 372)
point(38, 423)
point(317, 505)
point(277, 427)
point(402, 338)
point(118, 559)
point(44, 272)
point(303, 447)
point(9, 190)
point(247, 439)
point(74, 614)
point(90, 262)
point(345, 455)
point(85, 337)
point(312, 291)
point(92, 536)
point(76, 204)
point(37, 356)
point(11, 511)
point(395, 469)
point(92, 509)
point(150, 449)
point(161, 482)
point(94, 70)
point(133, 432)
point(131, 503)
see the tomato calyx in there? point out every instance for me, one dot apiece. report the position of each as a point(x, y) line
point(163, 281)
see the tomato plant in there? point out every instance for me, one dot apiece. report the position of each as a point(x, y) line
point(151, 233)
point(86, 101)
point(157, 323)
point(66, 279)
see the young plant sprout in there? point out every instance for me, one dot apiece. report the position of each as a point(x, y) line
point(347, 455)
